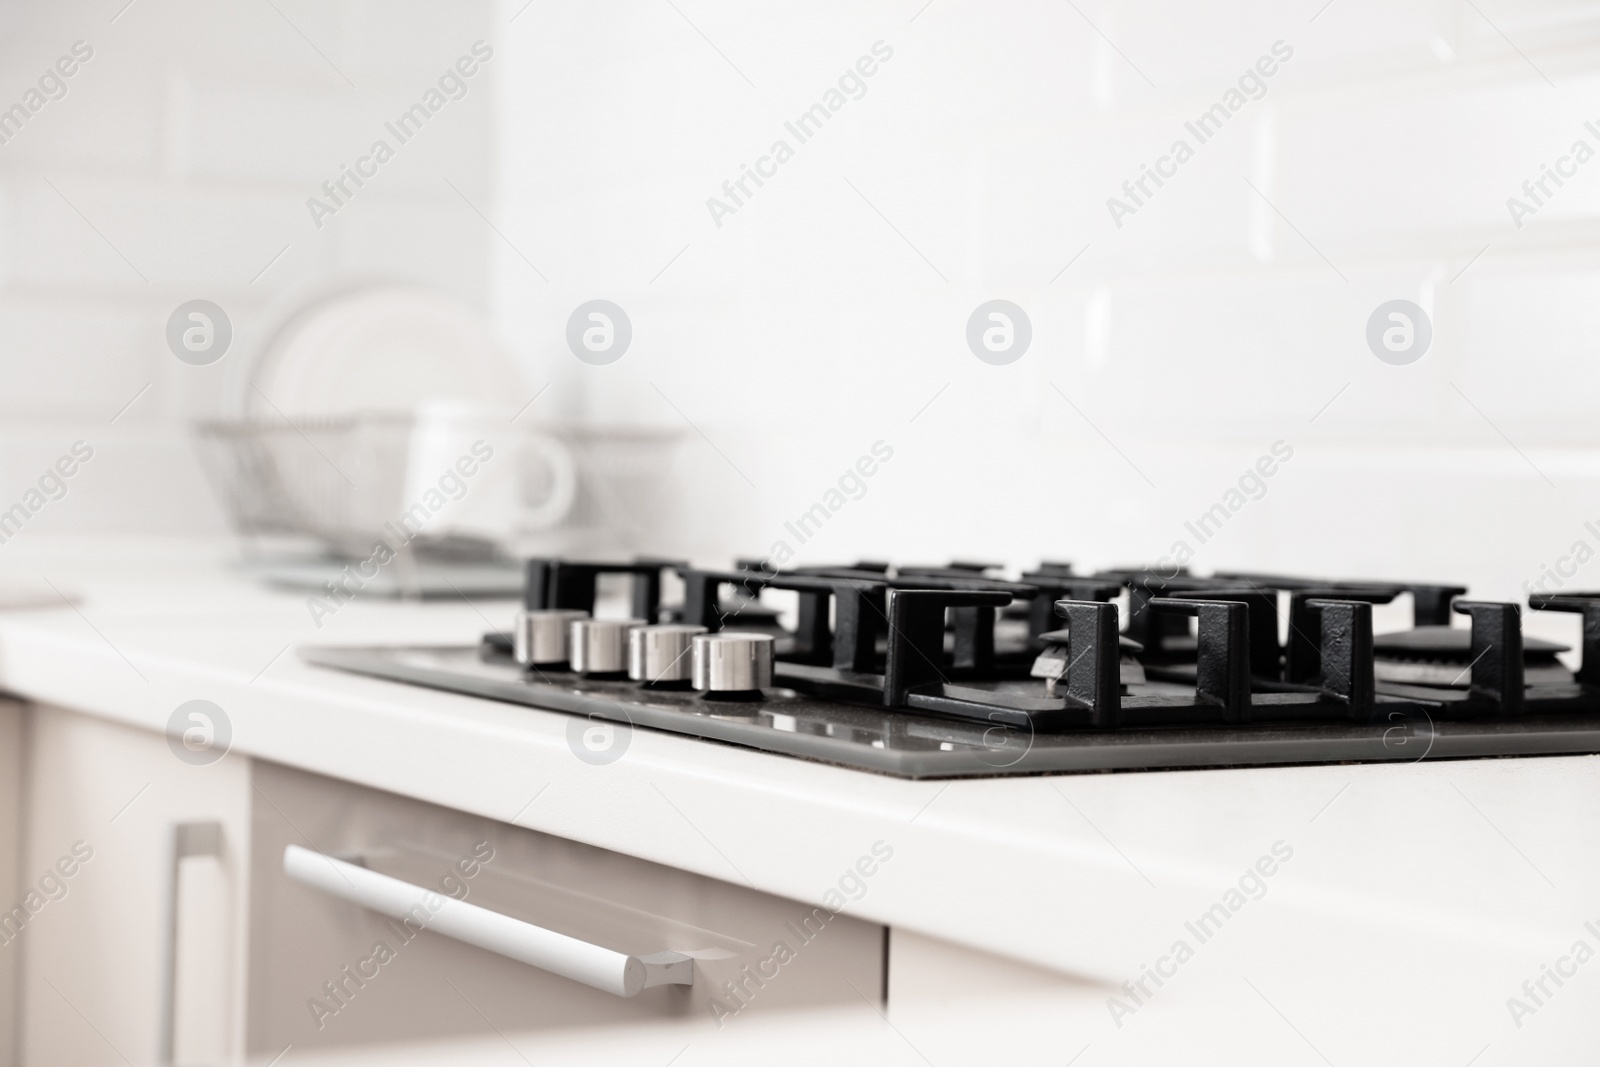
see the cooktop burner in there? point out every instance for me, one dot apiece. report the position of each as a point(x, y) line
point(957, 671)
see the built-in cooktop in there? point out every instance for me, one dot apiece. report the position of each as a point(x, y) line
point(959, 671)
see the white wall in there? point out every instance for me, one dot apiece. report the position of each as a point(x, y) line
point(827, 312)
point(176, 167)
point(1191, 338)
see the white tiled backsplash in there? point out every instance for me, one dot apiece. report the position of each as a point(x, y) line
point(827, 312)
point(177, 166)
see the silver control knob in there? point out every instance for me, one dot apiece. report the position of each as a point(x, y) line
point(732, 662)
point(662, 653)
point(600, 646)
point(539, 638)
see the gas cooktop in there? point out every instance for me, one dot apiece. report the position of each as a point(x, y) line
point(957, 671)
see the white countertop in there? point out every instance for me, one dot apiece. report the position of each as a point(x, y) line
point(1469, 873)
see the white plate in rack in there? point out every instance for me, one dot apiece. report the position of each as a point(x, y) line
point(418, 379)
point(380, 348)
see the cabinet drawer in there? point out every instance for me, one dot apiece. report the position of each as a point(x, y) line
point(327, 971)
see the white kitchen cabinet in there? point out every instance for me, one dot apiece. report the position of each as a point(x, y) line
point(11, 764)
point(256, 952)
point(327, 973)
point(929, 973)
point(100, 803)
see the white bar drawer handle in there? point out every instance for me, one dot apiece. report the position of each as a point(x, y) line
point(614, 972)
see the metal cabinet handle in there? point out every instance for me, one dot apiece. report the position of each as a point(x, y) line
point(185, 839)
point(613, 972)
